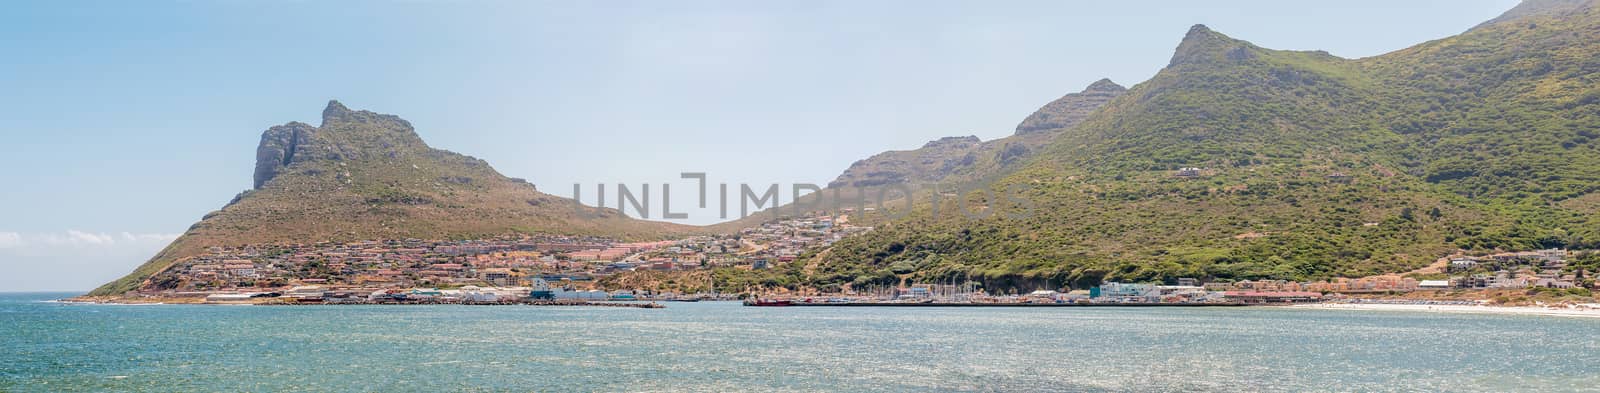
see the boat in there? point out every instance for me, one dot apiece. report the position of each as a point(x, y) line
point(768, 303)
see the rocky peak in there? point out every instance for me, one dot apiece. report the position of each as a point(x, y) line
point(1069, 110)
point(335, 110)
point(1103, 85)
point(1203, 46)
point(345, 134)
point(953, 141)
point(337, 113)
point(1529, 8)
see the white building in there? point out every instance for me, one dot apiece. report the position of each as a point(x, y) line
point(1433, 284)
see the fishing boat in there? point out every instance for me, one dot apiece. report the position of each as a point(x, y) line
point(768, 303)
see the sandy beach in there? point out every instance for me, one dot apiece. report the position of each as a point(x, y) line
point(1581, 311)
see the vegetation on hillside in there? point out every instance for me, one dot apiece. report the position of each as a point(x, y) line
point(1312, 167)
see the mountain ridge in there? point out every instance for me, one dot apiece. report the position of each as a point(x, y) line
point(962, 159)
point(952, 161)
point(1310, 166)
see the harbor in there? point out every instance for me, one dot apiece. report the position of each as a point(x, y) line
point(461, 348)
point(517, 302)
point(1108, 294)
point(974, 304)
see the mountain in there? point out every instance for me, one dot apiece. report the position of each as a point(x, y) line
point(1307, 166)
point(364, 176)
point(950, 162)
point(932, 162)
point(960, 159)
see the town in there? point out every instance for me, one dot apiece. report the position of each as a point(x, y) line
point(484, 270)
point(571, 268)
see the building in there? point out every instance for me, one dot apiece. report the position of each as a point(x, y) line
point(1126, 291)
point(1554, 283)
point(1553, 255)
point(500, 276)
point(590, 255)
point(1433, 284)
point(915, 292)
point(240, 268)
point(306, 293)
point(1254, 297)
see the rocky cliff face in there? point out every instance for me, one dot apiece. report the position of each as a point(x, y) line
point(1069, 110)
point(278, 148)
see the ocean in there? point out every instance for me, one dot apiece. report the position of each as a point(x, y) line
point(723, 347)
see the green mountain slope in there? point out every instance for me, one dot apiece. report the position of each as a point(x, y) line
point(363, 175)
point(949, 162)
point(1313, 166)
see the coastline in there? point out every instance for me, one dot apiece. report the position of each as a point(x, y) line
point(1575, 312)
point(1522, 310)
point(119, 300)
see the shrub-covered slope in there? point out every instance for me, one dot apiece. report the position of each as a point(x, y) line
point(1312, 166)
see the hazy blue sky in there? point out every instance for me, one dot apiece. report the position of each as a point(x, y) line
point(124, 122)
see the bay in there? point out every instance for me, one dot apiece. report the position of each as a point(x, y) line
point(723, 346)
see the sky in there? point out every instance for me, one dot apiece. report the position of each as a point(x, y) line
point(124, 122)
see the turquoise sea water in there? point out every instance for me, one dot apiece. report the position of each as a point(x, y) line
point(716, 346)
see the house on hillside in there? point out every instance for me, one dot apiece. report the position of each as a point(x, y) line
point(1554, 283)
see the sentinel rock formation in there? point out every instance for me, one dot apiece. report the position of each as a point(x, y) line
point(278, 148)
